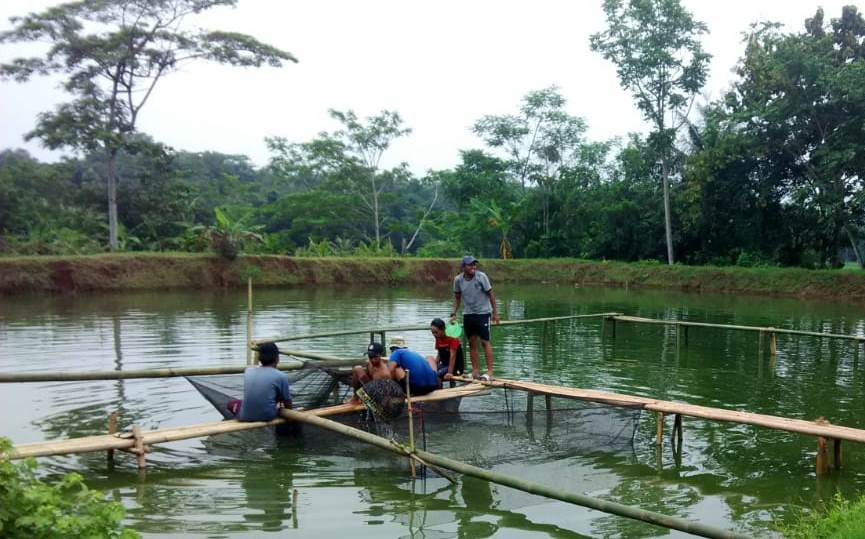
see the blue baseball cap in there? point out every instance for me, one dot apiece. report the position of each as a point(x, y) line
point(468, 260)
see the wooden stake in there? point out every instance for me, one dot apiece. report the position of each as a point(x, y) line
point(773, 345)
point(659, 429)
point(685, 329)
point(294, 497)
point(836, 453)
point(138, 448)
point(760, 346)
point(677, 430)
point(410, 421)
point(822, 466)
point(112, 429)
point(249, 344)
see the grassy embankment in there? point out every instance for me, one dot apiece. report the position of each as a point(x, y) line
point(842, 520)
point(137, 271)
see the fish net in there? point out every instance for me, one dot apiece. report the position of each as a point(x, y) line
point(384, 399)
point(311, 387)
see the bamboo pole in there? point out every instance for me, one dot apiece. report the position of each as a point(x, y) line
point(773, 345)
point(410, 421)
point(641, 320)
point(422, 327)
point(138, 447)
point(166, 373)
point(836, 454)
point(112, 429)
point(249, 360)
point(605, 506)
point(822, 465)
point(659, 428)
point(294, 496)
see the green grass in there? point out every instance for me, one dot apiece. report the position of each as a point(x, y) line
point(843, 519)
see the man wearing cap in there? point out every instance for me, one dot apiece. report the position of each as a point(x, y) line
point(375, 369)
point(472, 288)
point(422, 377)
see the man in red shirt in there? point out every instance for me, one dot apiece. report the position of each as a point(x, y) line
point(450, 351)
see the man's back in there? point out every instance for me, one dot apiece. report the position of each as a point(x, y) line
point(420, 372)
point(263, 388)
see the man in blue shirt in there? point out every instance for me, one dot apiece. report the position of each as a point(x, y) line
point(422, 377)
point(265, 388)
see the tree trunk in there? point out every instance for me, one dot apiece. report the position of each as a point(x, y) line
point(375, 211)
point(667, 220)
point(112, 200)
point(855, 246)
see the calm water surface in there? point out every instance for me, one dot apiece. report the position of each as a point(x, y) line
point(733, 476)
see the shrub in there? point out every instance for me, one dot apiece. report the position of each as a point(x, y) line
point(32, 508)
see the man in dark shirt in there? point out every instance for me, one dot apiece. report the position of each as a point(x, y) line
point(265, 388)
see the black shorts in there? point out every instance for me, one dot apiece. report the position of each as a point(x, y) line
point(445, 360)
point(477, 324)
point(416, 391)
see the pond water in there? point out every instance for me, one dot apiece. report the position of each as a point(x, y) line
point(733, 476)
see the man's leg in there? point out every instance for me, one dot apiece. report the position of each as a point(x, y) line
point(473, 353)
point(488, 351)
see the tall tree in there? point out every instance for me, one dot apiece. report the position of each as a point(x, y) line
point(540, 141)
point(112, 54)
point(659, 59)
point(801, 96)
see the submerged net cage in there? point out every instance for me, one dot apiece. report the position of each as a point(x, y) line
point(384, 399)
point(311, 387)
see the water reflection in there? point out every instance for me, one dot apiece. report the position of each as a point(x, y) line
point(729, 475)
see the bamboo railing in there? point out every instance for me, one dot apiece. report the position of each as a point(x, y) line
point(425, 327)
point(319, 360)
point(686, 324)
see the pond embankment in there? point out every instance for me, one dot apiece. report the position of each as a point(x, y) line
point(76, 274)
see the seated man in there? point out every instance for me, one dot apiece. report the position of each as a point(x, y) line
point(265, 388)
point(450, 360)
point(422, 378)
point(375, 369)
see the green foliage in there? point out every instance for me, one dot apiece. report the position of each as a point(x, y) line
point(32, 508)
point(842, 519)
point(229, 235)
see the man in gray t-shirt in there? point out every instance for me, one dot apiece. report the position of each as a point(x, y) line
point(472, 288)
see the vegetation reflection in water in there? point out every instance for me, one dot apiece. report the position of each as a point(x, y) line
point(733, 476)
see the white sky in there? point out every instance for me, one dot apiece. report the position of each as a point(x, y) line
point(440, 64)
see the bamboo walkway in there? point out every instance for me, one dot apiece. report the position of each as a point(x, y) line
point(800, 426)
point(127, 441)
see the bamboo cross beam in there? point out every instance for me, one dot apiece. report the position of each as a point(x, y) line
point(125, 440)
point(425, 327)
point(686, 324)
point(166, 373)
point(666, 521)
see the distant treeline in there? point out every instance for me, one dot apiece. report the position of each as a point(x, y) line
point(770, 174)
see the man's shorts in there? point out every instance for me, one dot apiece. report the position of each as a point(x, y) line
point(416, 390)
point(477, 324)
point(445, 359)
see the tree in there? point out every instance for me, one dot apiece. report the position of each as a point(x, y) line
point(540, 141)
point(801, 98)
point(654, 44)
point(113, 53)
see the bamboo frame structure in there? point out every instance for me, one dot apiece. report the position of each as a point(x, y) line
point(696, 528)
point(126, 440)
point(771, 330)
point(426, 327)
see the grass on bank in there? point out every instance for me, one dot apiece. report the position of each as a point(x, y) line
point(843, 519)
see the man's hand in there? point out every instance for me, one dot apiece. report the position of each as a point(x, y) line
point(496, 318)
point(448, 376)
point(453, 317)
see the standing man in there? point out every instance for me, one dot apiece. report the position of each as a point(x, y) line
point(472, 288)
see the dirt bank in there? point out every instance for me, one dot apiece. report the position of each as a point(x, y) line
point(77, 274)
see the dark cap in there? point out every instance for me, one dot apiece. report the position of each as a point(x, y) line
point(468, 260)
point(375, 349)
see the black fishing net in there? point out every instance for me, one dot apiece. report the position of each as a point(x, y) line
point(384, 399)
point(311, 387)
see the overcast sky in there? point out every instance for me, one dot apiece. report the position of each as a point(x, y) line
point(440, 64)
